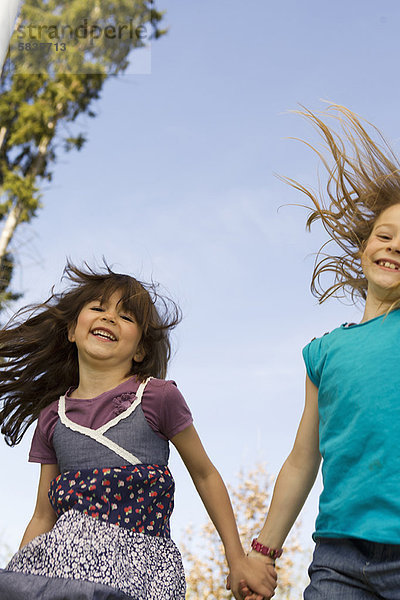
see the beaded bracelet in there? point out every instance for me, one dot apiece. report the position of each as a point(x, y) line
point(271, 552)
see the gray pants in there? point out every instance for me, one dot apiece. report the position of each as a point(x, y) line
point(18, 586)
point(354, 569)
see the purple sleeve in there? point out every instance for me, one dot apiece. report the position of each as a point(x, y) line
point(165, 408)
point(42, 450)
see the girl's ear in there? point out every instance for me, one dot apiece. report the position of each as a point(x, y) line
point(360, 252)
point(139, 355)
point(71, 333)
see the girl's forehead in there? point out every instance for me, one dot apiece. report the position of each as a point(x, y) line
point(390, 216)
point(109, 297)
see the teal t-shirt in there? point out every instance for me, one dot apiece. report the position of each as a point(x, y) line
point(357, 372)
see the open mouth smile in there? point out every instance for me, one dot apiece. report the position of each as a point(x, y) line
point(388, 264)
point(104, 334)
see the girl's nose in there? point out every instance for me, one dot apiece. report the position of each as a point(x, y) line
point(108, 316)
point(394, 245)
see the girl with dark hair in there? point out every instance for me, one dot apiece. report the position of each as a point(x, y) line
point(352, 408)
point(89, 364)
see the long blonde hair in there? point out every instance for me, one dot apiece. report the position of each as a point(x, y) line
point(363, 180)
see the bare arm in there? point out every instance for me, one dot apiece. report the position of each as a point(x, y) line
point(296, 477)
point(214, 495)
point(293, 484)
point(44, 516)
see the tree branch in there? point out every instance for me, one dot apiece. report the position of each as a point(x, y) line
point(3, 131)
point(10, 226)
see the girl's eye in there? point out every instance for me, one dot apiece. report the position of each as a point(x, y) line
point(126, 318)
point(383, 236)
point(98, 308)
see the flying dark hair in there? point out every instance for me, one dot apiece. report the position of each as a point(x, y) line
point(39, 363)
point(363, 180)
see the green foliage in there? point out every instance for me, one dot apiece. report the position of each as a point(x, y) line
point(6, 269)
point(39, 92)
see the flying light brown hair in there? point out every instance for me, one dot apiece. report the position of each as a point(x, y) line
point(39, 363)
point(363, 180)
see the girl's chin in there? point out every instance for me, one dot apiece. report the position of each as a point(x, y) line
point(390, 293)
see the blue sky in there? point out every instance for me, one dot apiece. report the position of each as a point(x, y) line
point(177, 183)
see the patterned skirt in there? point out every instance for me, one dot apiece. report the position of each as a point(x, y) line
point(83, 558)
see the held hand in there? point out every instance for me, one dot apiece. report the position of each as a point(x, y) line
point(244, 590)
point(252, 578)
point(248, 594)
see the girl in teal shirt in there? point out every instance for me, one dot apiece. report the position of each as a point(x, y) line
point(351, 418)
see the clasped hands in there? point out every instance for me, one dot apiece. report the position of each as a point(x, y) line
point(255, 572)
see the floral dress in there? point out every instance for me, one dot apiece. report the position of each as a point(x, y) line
point(112, 536)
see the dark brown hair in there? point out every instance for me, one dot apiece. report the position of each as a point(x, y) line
point(363, 180)
point(39, 363)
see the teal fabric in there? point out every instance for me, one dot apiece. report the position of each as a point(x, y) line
point(357, 372)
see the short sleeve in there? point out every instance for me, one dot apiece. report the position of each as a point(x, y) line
point(165, 408)
point(42, 450)
point(312, 359)
point(176, 415)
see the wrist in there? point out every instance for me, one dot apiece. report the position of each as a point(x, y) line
point(258, 556)
point(272, 553)
point(235, 558)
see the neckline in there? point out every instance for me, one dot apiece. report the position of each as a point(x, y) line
point(122, 388)
point(348, 326)
point(99, 431)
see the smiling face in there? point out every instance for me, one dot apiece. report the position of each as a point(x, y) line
point(381, 257)
point(106, 335)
